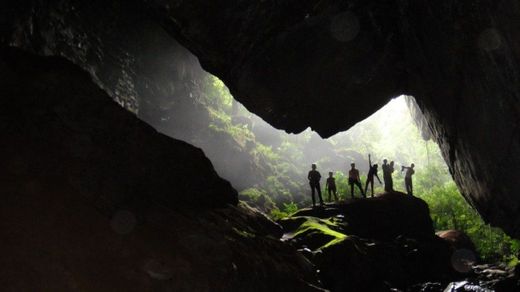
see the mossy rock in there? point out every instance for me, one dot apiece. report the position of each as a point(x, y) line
point(383, 217)
point(311, 232)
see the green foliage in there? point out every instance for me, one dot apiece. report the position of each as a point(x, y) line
point(288, 209)
point(265, 152)
point(449, 210)
point(258, 198)
point(217, 94)
point(252, 194)
point(276, 214)
point(342, 185)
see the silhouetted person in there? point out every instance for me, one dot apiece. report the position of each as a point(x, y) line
point(314, 181)
point(408, 178)
point(354, 179)
point(372, 171)
point(391, 178)
point(387, 175)
point(331, 187)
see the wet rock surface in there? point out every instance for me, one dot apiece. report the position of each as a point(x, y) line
point(482, 278)
point(94, 199)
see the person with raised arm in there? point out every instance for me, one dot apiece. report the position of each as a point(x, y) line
point(408, 178)
point(372, 171)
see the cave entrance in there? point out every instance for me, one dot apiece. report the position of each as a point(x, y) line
point(269, 167)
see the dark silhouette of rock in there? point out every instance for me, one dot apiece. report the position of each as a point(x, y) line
point(463, 252)
point(356, 264)
point(384, 217)
point(372, 244)
point(94, 199)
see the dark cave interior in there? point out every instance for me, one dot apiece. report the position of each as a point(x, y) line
point(80, 171)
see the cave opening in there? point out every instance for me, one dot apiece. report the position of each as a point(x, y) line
point(269, 166)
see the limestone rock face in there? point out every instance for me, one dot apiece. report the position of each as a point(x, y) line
point(94, 199)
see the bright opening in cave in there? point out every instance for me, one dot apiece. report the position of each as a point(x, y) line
point(269, 166)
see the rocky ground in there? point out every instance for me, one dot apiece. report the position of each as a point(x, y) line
point(387, 243)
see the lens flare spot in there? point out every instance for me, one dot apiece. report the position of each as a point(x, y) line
point(123, 222)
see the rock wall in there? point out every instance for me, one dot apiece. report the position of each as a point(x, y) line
point(464, 73)
point(95, 199)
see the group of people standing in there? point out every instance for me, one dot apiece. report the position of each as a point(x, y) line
point(355, 180)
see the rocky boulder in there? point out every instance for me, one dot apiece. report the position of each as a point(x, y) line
point(457, 239)
point(373, 244)
point(383, 217)
point(356, 264)
point(463, 252)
